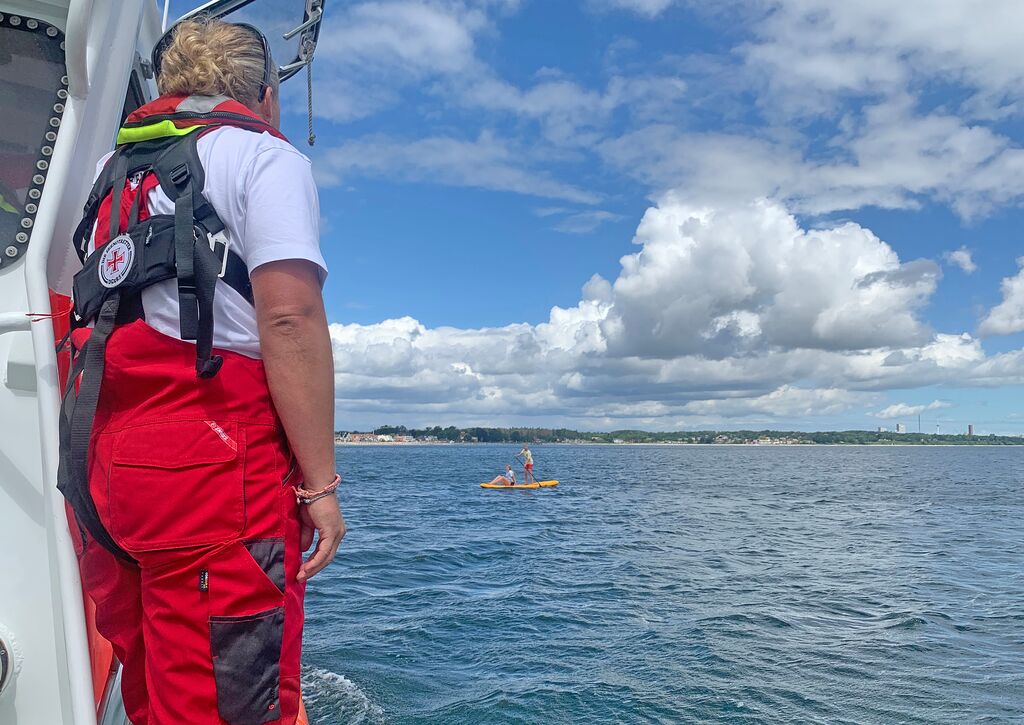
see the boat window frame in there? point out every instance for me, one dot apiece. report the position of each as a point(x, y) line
point(12, 250)
point(135, 95)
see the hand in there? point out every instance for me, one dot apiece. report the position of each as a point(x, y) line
point(324, 517)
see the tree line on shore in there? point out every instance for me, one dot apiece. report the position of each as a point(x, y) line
point(567, 435)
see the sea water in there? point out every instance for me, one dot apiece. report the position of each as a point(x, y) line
point(665, 584)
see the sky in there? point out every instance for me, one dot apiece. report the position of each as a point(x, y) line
point(670, 214)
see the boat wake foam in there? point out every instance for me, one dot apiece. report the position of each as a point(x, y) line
point(333, 699)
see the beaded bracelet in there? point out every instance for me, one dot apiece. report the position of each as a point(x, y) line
point(307, 497)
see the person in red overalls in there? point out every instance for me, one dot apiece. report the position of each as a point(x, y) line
point(197, 445)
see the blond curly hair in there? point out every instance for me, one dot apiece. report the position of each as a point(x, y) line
point(209, 57)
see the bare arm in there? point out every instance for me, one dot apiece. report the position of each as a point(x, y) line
point(296, 348)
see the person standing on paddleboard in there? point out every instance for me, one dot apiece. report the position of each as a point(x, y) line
point(198, 455)
point(527, 464)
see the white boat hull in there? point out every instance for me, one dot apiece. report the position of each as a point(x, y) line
point(41, 610)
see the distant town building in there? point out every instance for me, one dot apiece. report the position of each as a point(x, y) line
point(970, 429)
point(352, 437)
point(900, 428)
point(882, 430)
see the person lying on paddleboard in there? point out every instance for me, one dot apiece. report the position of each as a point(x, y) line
point(509, 479)
point(527, 464)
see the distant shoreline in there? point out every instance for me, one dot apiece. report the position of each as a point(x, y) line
point(673, 444)
point(436, 435)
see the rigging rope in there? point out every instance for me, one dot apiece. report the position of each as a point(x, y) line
point(308, 52)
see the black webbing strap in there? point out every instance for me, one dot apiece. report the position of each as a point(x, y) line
point(78, 414)
point(116, 192)
point(110, 181)
point(236, 276)
point(80, 237)
point(136, 208)
point(101, 188)
point(206, 266)
point(184, 242)
point(72, 494)
point(207, 215)
point(198, 268)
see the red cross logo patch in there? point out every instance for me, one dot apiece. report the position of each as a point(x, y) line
point(116, 257)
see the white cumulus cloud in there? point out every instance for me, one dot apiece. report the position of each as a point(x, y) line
point(1007, 317)
point(723, 282)
point(902, 410)
point(416, 37)
point(723, 314)
point(486, 162)
point(874, 46)
point(893, 156)
point(961, 258)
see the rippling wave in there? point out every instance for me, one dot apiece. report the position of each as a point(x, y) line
point(668, 584)
point(336, 698)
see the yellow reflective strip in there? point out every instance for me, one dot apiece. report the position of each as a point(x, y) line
point(7, 207)
point(162, 129)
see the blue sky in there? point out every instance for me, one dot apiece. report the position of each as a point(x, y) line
point(642, 213)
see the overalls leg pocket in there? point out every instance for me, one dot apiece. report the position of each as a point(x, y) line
point(176, 484)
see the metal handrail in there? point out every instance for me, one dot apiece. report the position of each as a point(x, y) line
point(76, 37)
point(14, 322)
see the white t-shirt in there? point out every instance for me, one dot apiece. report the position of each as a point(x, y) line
point(262, 188)
point(510, 475)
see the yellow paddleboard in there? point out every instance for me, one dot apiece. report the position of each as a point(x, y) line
point(539, 484)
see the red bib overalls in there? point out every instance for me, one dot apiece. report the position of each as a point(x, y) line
point(193, 478)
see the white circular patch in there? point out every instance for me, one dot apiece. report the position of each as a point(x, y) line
point(116, 257)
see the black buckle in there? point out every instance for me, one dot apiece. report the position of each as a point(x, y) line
point(180, 174)
point(209, 368)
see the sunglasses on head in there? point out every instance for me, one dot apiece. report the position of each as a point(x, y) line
point(165, 41)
